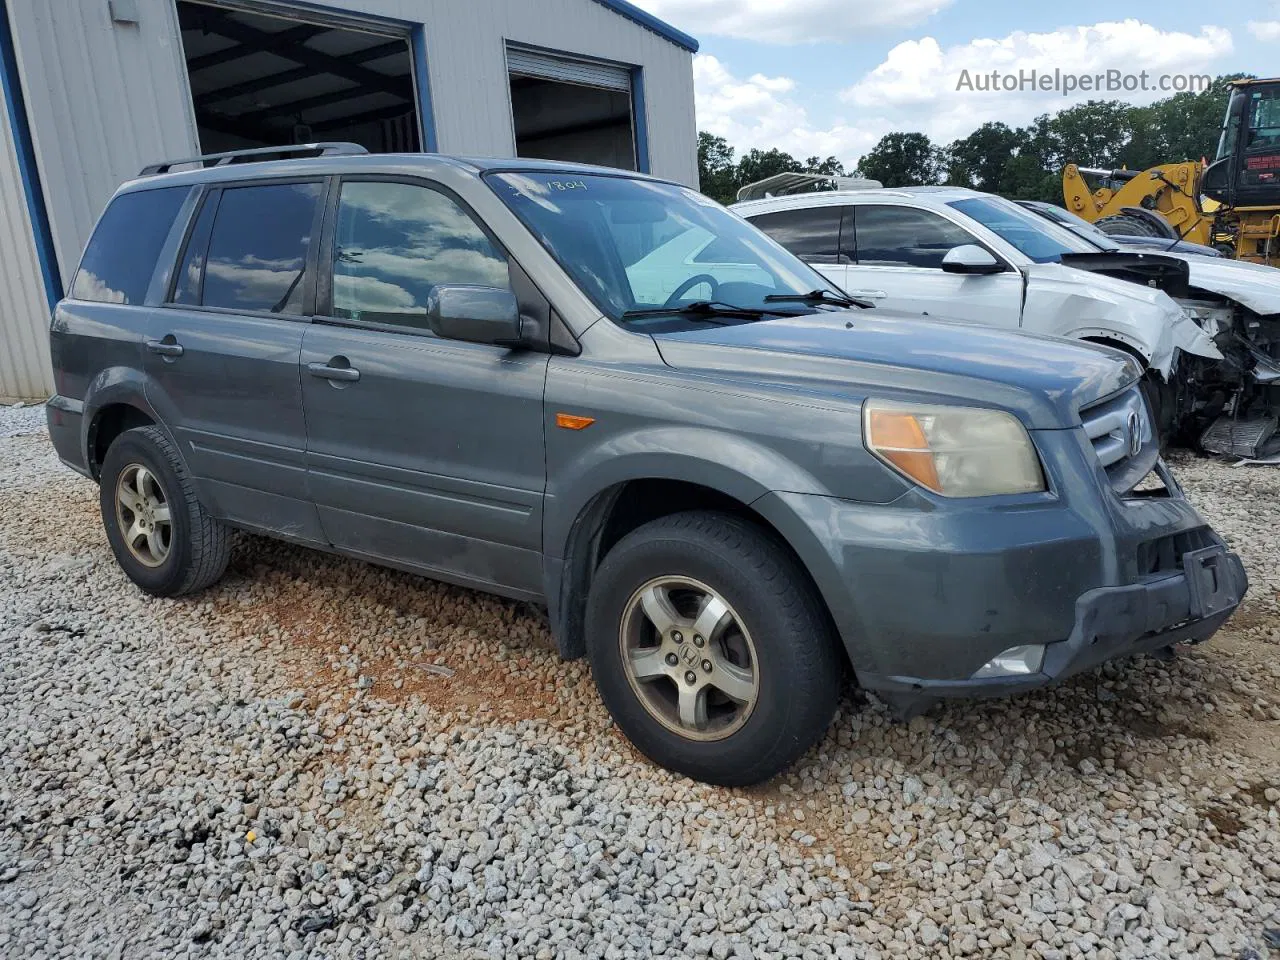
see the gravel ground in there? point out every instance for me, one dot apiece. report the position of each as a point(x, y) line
point(321, 758)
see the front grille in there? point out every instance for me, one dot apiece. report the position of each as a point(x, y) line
point(1123, 438)
point(1164, 554)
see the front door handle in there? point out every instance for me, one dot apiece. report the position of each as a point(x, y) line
point(868, 294)
point(326, 372)
point(168, 347)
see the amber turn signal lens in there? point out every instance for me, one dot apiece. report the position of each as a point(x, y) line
point(571, 421)
point(898, 437)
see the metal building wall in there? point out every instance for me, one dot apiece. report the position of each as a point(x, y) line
point(105, 98)
point(24, 311)
point(465, 49)
point(102, 100)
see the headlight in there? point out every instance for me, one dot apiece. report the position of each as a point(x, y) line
point(954, 451)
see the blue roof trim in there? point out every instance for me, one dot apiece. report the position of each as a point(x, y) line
point(649, 21)
point(11, 89)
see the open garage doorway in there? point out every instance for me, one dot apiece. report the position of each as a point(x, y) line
point(262, 80)
point(564, 108)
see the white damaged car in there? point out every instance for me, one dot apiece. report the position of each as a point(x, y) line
point(1237, 304)
point(957, 253)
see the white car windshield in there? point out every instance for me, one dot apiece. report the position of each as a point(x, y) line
point(1030, 233)
point(638, 246)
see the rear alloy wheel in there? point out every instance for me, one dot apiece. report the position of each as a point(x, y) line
point(711, 648)
point(142, 513)
point(160, 533)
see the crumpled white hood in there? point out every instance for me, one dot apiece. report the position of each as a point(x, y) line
point(1248, 284)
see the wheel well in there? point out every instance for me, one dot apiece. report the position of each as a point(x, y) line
point(613, 514)
point(109, 423)
point(1119, 345)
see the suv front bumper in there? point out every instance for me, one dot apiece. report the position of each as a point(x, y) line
point(1113, 622)
point(925, 594)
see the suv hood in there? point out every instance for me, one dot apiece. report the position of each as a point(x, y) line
point(859, 352)
point(1249, 284)
point(1180, 274)
point(1169, 274)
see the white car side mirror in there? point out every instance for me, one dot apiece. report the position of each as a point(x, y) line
point(971, 258)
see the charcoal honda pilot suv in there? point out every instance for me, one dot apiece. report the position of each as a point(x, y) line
point(731, 485)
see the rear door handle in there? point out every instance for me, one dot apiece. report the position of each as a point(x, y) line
point(868, 294)
point(326, 372)
point(168, 347)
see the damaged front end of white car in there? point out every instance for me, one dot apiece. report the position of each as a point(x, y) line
point(1225, 399)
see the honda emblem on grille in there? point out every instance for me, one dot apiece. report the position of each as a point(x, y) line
point(1134, 426)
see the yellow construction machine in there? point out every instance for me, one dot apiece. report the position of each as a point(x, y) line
point(1232, 204)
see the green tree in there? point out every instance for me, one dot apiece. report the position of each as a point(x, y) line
point(758, 164)
point(1178, 128)
point(979, 159)
point(830, 166)
point(717, 174)
point(903, 160)
point(1092, 134)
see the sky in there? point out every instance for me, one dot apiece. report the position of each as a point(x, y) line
point(830, 77)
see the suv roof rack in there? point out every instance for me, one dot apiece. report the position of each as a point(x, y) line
point(330, 149)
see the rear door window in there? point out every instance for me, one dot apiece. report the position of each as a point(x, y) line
point(812, 234)
point(121, 257)
point(905, 237)
point(259, 248)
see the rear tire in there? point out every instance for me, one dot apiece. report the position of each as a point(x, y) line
point(1128, 225)
point(738, 705)
point(161, 536)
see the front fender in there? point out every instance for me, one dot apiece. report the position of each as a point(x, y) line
point(735, 466)
point(1066, 302)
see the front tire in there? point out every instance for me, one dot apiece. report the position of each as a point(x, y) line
point(161, 536)
point(710, 648)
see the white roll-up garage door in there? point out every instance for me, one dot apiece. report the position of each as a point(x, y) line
point(547, 66)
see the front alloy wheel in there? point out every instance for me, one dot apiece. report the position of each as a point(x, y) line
point(710, 647)
point(689, 658)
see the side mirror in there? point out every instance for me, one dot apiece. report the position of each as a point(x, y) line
point(971, 258)
point(475, 314)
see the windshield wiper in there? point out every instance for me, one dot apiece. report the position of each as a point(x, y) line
point(705, 310)
point(819, 296)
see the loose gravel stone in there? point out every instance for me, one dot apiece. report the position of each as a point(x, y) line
point(323, 758)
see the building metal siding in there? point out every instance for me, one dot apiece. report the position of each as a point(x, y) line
point(25, 372)
point(24, 310)
point(104, 99)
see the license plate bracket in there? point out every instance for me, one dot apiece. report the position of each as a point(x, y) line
point(1209, 581)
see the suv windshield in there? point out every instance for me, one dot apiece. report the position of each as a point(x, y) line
point(1032, 234)
point(640, 245)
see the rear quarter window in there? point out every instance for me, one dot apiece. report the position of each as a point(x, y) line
point(121, 256)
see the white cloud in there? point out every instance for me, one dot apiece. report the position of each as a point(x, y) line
point(797, 21)
point(762, 111)
point(1265, 29)
point(918, 79)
